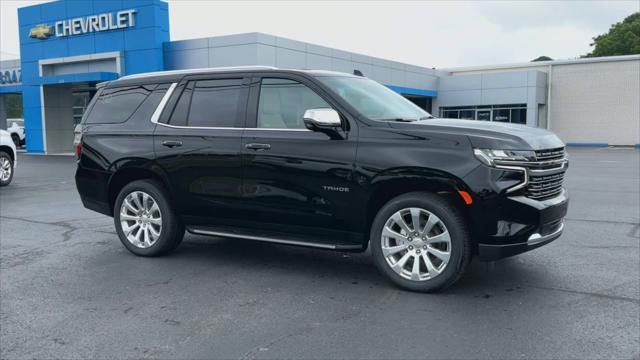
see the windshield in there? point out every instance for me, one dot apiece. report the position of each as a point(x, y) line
point(375, 101)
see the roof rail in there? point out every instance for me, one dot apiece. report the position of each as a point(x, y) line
point(196, 71)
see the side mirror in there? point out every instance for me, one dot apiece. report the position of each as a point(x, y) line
point(322, 119)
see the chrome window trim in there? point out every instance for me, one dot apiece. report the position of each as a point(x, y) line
point(158, 111)
point(276, 129)
point(165, 99)
point(200, 127)
point(226, 128)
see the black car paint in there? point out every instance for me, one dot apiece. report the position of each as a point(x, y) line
point(215, 178)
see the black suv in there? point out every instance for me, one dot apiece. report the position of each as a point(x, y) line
point(319, 159)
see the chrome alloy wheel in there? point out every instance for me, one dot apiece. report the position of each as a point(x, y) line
point(5, 169)
point(140, 219)
point(416, 244)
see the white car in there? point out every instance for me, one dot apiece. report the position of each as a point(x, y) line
point(15, 127)
point(8, 158)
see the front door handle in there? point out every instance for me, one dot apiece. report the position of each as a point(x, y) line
point(258, 147)
point(172, 143)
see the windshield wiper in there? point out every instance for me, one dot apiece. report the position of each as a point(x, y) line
point(399, 119)
point(427, 117)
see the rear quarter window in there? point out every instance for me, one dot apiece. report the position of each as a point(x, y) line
point(117, 105)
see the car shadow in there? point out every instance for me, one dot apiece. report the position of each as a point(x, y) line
point(504, 275)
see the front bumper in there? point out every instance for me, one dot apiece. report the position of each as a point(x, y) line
point(507, 223)
point(490, 252)
point(519, 224)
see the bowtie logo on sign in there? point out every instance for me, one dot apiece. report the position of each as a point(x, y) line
point(83, 25)
point(41, 32)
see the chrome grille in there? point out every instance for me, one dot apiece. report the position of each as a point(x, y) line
point(550, 154)
point(543, 177)
point(543, 187)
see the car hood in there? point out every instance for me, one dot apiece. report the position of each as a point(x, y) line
point(490, 135)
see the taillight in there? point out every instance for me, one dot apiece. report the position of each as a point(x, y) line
point(77, 140)
point(78, 149)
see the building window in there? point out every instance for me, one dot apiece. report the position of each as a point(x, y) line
point(514, 113)
point(467, 114)
point(519, 116)
point(502, 115)
point(451, 114)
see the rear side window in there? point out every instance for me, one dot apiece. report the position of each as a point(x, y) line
point(181, 111)
point(116, 105)
point(210, 103)
point(149, 105)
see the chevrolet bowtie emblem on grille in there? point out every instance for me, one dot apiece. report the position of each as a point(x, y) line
point(41, 32)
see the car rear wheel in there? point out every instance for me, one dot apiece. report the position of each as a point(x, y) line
point(6, 169)
point(420, 242)
point(145, 221)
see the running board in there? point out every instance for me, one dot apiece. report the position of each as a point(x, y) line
point(278, 240)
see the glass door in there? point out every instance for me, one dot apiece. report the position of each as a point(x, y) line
point(80, 102)
point(483, 114)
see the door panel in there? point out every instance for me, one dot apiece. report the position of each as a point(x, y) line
point(200, 150)
point(303, 180)
point(204, 171)
point(295, 180)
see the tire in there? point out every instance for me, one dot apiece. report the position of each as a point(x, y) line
point(395, 250)
point(6, 169)
point(154, 232)
point(16, 140)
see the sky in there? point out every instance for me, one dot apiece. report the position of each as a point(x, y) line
point(439, 34)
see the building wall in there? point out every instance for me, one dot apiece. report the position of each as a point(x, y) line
point(140, 47)
point(593, 101)
point(517, 87)
point(596, 102)
point(57, 109)
point(268, 50)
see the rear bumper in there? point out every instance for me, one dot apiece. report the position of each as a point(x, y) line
point(92, 187)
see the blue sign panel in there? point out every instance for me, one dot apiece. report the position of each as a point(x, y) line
point(134, 29)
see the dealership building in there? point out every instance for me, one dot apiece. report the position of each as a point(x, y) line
point(67, 47)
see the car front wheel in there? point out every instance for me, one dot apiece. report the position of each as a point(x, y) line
point(145, 221)
point(6, 169)
point(420, 242)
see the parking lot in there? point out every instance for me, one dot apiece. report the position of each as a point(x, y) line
point(69, 289)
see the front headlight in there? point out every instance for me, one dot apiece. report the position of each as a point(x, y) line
point(490, 156)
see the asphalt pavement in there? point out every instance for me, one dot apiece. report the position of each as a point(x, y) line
point(69, 289)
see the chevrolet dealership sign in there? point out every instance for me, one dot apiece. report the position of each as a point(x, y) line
point(83, 25)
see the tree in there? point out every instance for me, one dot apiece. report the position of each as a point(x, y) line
point(13, 103)
point(542, 58)
point(623, 38)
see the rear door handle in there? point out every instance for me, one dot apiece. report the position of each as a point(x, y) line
point(172, 143)
point(258, 147)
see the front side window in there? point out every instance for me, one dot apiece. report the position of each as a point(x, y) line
point(373, 100)
point(283, 102)
point(116, 105)
point(209, 103)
